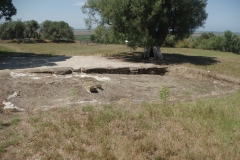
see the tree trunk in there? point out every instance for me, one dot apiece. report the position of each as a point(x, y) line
point(152, 52)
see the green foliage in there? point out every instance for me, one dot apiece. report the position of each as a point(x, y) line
point(7, 9)
point(104, 34)
point(88, 108)
point(169, 41)
point(12, 30)
point(15, 120)
point(186, 43)
point(231, 42)
point(56, 30)
point(228, 42)
point(164, 94)
point(31, 29)
point(92, 38)
point(146, 23)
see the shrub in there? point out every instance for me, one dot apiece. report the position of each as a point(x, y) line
point(169, 41)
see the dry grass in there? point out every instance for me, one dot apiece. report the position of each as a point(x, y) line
point(205, 129)
point(67, 49)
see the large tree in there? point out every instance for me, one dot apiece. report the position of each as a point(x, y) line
point(56, 30)
point(31, 29)
point(145, 22)
point(12, 30)
point(7, 9)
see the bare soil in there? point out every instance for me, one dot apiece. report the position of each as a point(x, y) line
point(43, 91)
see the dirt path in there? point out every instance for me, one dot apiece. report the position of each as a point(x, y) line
point(74, 62)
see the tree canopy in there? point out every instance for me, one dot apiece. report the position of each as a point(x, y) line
point(7, 9)
point(31, 28)
point(51, 30)
point(56, 30)
point(144, 22)
point(12, 30)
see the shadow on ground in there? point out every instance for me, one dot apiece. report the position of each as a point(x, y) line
point(169, 58)
point(17, 60)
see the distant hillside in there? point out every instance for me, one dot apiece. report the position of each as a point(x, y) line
point(198, 33)
point(82, 32)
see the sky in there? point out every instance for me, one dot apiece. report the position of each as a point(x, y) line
point(222, 14)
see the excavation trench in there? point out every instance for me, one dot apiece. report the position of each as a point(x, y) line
point(122, 70)
point(64, 86)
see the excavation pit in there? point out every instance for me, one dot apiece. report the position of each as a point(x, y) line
point(55, 87)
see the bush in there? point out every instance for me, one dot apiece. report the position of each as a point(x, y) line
point(227, 43)
point(169, 41)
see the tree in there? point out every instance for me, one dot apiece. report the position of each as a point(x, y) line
point(7, 9)
point(146, 23)
point(56, 30)
point(232, 42)
point(12, 30)
point(31, 29)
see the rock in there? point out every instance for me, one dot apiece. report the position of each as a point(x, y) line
point(93, 86)
point(62, 70)
point(15, 94)
point(133, 70)
point(9, 107)
point(57, 70)
point(125, 70)
point(95, 70)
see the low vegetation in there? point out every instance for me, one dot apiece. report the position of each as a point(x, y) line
point(205, 129)
point(202, 129)
point(228, 42)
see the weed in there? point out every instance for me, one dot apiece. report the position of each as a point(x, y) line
point(164, 94)
point(15, 121)
point(88, 108)
point(73, 93)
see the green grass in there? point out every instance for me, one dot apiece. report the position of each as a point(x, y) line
point(82, 37)
point(204, 129)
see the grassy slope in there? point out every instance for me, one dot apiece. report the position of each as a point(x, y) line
point(204, 129)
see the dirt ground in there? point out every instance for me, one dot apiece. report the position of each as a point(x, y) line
point(26, 90)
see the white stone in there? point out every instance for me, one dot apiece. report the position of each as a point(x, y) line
point(11, 107)
point(96, 77)
point(15, 94)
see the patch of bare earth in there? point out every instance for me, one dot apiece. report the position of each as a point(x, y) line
point(42, 91)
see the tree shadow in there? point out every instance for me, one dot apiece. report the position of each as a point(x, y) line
point(17, 60)
point(169, 58)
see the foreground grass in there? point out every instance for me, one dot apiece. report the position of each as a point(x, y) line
point(205, 129)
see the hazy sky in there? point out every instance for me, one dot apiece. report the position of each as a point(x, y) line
point(222, 14)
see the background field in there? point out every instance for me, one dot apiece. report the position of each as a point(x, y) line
point(215, 61)
point(202, 129)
